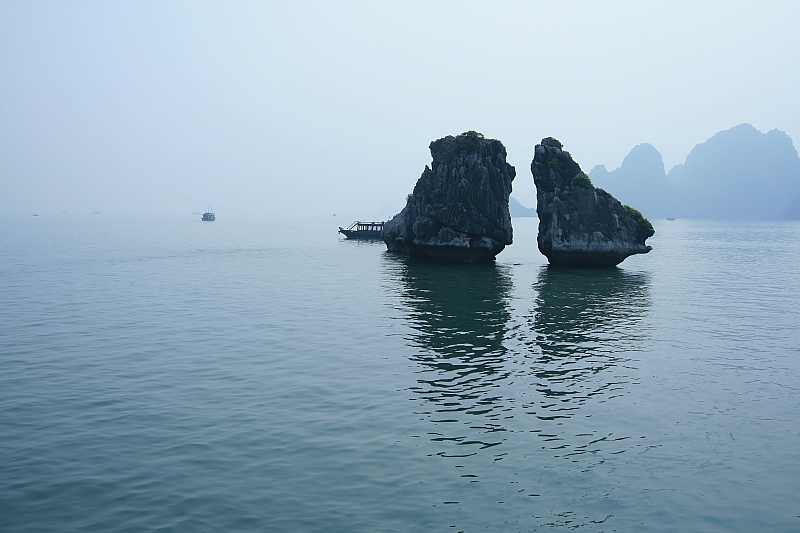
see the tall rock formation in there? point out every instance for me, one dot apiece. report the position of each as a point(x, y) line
point(580, 225)
point(459, 208)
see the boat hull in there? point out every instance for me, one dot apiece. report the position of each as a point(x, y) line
point(364, 235)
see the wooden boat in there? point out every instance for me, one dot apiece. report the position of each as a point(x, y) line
point(363, 230)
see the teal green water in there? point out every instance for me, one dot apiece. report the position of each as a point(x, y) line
point(176, 375)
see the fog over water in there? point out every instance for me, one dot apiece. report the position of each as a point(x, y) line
point(322, 107)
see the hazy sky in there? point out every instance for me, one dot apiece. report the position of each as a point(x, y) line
point(319, 107)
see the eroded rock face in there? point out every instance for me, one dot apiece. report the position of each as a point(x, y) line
point(459, 208)
point(579, 224)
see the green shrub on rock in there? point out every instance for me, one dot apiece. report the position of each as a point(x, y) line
point(636, 216)
point(466, 142)
point(582, 180)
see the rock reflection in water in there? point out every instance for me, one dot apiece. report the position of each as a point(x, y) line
point(585, 314)
point(580, 335)
point(486, 369)
point(458, 316)
point(517, 383)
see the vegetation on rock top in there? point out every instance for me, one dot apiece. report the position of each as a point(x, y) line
point(582, 180)
point(636, 216)
point(468, 141)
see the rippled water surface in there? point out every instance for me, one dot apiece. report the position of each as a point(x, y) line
point(262, 376)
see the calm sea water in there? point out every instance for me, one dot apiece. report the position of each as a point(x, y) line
point(177, 375)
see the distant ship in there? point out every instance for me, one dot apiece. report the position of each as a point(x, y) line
point(363, 230)
point(209, 215)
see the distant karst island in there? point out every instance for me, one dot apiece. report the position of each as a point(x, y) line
point(739, 173)
point(518, 210)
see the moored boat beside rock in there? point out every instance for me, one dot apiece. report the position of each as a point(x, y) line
point(363, 230)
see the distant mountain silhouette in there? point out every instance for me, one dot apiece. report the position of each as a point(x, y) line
point(518, 210)
point(639, 182)
point(739, 173)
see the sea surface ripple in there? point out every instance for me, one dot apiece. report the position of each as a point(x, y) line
point(262, 375)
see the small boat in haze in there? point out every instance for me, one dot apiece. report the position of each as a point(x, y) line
point(363, 230)
point(209, 215)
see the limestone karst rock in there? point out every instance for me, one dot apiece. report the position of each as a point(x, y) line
point(459, 208)
point(580, 225)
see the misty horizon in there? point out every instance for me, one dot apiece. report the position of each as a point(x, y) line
point(314, 108)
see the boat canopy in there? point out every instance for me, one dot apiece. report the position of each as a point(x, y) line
point(365, 226)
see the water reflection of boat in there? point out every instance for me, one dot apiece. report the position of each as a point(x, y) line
point(363, 230)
